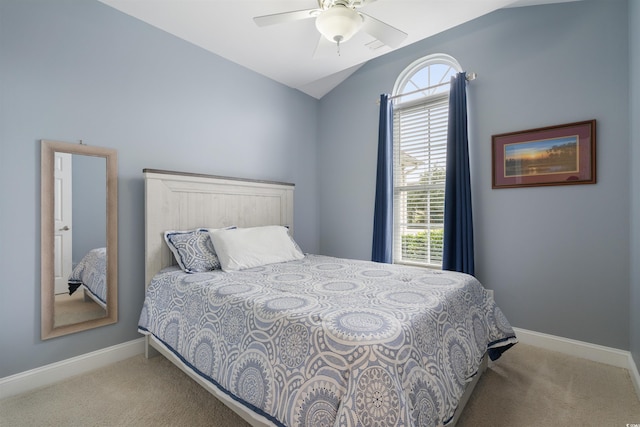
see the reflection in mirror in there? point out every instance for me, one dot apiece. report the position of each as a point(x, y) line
point(79, 237)
point(80, 234)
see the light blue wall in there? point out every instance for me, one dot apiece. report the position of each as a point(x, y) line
point(634, 114)
point(72, 70)
point(557, 257)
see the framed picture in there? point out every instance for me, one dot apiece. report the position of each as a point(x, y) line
point(554, 155)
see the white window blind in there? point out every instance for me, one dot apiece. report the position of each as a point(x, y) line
point(420, 148)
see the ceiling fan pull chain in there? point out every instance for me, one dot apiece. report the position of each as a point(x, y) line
point(338, 44)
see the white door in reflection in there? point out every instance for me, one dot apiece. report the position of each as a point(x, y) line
point(62, 210)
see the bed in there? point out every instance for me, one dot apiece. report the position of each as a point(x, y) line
point(313, 340)
point(90, 275)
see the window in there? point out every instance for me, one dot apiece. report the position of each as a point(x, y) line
point(421, 111)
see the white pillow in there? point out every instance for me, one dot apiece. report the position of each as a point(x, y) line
point(243, 248)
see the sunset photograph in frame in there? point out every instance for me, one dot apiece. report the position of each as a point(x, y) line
point(554, 155)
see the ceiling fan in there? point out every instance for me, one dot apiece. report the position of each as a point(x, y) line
point(338, 21)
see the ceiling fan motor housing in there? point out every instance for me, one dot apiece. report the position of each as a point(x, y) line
point(326, 4)
point(338, 23)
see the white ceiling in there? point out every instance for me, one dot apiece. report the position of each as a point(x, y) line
point(285, 52)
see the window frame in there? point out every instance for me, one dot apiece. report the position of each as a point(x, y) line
point(428, 98)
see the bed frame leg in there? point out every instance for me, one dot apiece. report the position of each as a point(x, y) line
point(149, 351)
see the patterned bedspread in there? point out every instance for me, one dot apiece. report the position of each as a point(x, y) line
point(91, 272)
point(320, 340)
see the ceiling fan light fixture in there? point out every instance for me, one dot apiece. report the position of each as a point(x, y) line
point(338, 23)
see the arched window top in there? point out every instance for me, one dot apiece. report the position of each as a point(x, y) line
point(425, 77)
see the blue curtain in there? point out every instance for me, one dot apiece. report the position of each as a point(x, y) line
point(383, 213)
point(458, 218)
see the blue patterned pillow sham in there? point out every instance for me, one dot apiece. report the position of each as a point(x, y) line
point(193, 250)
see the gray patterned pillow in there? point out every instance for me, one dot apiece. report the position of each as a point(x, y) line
point(193, 250)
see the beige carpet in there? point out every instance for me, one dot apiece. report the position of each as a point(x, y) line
point(70, 309)
point(526, 387)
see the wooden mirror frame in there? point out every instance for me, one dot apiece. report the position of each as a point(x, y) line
point(48, 149)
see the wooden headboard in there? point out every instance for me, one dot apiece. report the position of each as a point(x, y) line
point(183, 201)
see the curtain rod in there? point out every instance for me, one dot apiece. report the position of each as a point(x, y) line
point(470, 76)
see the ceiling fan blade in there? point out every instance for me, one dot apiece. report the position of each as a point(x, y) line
point(387, 34)
point(279, 18)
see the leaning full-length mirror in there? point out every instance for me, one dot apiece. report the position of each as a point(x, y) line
point(79, 237)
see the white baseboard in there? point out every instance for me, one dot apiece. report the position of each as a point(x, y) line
point(584, 350)
point(49, 374)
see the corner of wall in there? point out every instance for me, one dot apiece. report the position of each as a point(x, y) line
point(634, 136)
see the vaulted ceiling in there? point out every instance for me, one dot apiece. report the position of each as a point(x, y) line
point(290, 52)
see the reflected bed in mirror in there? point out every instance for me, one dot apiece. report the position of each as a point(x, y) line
point(79, 237)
